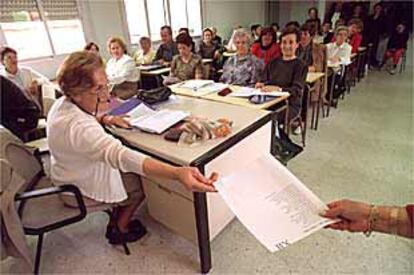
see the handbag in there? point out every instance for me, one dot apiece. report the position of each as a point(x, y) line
point(154, 96)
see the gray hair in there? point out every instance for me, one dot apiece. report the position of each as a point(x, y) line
point(241, 33)
point(341, 28)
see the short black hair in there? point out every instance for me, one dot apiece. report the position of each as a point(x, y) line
point(291, 30)
point(292, 23)
point(313, 9)
point(186, 30)
point(89, 46)
point(168, 28)
point(185, 39)
point(275, 25)
point(6, 50)
point(254, 27)
point(307, 27)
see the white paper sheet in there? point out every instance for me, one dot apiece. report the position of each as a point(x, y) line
point(196, 84)
point(272, 203)
point(248, 92)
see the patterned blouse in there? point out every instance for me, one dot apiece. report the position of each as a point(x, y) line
point(244, 71)
point(186, 71)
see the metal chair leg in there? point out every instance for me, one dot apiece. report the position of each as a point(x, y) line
point(38, 254)
point(126, 249)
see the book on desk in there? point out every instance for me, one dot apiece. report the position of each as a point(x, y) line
point(147, 119)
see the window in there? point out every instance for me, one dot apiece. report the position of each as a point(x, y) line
point(146, 17)
point(39, 28)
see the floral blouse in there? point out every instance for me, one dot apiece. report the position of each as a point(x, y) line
point(243, 71)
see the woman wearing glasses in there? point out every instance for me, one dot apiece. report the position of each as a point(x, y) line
point(83, 154)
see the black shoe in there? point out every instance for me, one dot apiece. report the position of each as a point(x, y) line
point(134, 226)
point(117, 237)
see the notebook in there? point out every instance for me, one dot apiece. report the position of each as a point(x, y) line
point(149, 120)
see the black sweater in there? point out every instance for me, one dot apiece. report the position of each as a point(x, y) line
point(289, 75)
point(398, 40)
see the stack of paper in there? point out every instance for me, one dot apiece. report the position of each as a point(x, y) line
point(196, 84)
point(248, 92)
point(149, 120)
point(272, 203)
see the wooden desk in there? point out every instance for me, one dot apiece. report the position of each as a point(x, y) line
point(239, 101)
point(200, 216)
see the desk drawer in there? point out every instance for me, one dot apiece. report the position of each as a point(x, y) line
point(171, 209)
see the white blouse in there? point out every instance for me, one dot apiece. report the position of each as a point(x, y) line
point(343, 52)
point(83, 154)
point(122, 70)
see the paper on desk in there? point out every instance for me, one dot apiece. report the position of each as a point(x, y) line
point(272, 203)
point(248, 92)
point(196, 84)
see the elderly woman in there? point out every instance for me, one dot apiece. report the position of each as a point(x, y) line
point(287, 73)
point(121, 70)
point(243, 68)
point(266, 47)
point(186, 65)
point(146, 54)
point(83, 154)
point(339, 51)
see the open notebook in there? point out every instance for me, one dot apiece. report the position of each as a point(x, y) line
point(149, 120)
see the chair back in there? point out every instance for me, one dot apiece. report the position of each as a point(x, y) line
point(20, 156)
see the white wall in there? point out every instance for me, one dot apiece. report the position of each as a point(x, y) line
point(225, 14)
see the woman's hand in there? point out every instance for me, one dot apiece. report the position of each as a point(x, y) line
point(353, 216)
point(118, 121)
point(193, 180)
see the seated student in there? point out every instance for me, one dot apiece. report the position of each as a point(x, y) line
point(242, 69)
point(355, 36)
point(255, 30)
point(207, 47)
point(276, 28)
point(231, 47)
point(19, 113)
point(26, 78)
point(168, 49)
point(146, 54)
point(84, 154)
point(187, 32)
point(312, 54)
point(121, 70)
point(266, 48)
point(327, 32)
point(287, 73)
point(92, 47)
point(216, 39)
point(339, 51)
point(396, 47)
point(186, 65)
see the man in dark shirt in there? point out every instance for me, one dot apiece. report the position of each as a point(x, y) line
point(287, 73)
point(18, 112)
point(167, 49)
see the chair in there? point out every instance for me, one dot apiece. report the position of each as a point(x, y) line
point(403, 61)
point(40, 208)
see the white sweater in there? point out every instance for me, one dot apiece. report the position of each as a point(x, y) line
point(83, 154)
point(122, 70)
point(343, 52)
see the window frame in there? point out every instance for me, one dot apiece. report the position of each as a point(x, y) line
point(167, 18)
point(44, 20)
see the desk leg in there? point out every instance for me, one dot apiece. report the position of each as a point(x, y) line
point(286, 127)
point(203, 234)
point(331, 92)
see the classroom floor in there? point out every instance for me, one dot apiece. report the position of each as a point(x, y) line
point(364, 151)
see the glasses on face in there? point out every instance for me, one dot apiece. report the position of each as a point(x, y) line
point(103, 89)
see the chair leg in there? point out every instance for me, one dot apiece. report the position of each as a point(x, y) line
point(126, 249)
point(38, 254)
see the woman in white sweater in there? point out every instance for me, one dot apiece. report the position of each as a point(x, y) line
point(83, 154)
point(121, 70)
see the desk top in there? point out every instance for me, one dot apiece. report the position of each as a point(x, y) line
point(226, 99)
point(245, 121)
point(312, 77)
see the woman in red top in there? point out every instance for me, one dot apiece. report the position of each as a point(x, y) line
point(355, 38)
point(266, 48)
